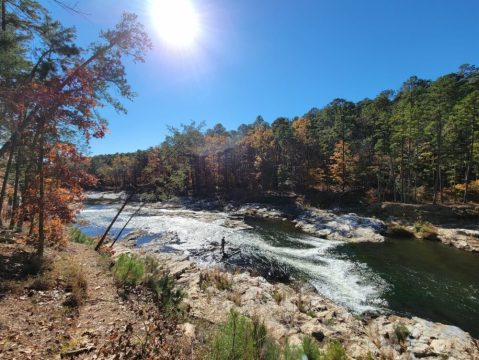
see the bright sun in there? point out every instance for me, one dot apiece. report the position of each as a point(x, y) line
point(177, 22)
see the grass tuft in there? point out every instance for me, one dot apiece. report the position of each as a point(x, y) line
point(76, 284)
point(77, 236)
point(235, 297)
point(278, 296)
point(220, 280)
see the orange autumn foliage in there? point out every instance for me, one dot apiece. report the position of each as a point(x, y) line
point(64, 177)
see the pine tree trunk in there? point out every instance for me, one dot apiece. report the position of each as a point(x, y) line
point(23, 190)
point(13, 219)
point(41, 198)
point(5, 179)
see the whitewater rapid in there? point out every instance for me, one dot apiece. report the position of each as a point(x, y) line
point(343, 281)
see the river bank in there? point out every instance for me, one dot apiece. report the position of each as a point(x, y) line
point(289, 313)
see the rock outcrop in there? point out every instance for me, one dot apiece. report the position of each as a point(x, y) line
point(291, 314)
point(463, 239)
point(323, 223)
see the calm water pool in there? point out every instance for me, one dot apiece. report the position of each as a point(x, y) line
point(425, 279)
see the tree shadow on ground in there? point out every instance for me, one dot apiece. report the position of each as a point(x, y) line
point(17, 263)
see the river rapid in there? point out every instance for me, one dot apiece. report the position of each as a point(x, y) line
point(408, 277)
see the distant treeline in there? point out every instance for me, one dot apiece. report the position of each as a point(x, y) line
point(417, 144)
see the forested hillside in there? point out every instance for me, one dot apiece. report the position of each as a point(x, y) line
point(416, 144)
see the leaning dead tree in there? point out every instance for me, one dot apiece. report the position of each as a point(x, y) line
point(126, 224)
point(102, 240)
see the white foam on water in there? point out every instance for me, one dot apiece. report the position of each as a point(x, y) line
point(340, 279)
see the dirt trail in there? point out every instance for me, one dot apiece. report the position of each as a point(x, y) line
point(34, 324)
point(103, 309)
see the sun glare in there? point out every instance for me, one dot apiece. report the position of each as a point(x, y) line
point(177, 22)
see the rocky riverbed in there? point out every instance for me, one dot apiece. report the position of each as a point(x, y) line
point(289, 313)
point(185, 235)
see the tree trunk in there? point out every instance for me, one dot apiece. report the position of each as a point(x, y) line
point(23, 190)
point(13, 219)
point(41, 198)
point(5, 179)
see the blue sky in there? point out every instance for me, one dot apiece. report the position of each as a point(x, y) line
point(277, 58)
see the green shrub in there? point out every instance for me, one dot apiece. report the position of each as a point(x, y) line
point(241, 338)
point(401, 332)
point(335, 351)
point(132, 270)
point(292, 352)
point(128, 270)
point(152, 267)
point(425, 230)
point(311, 349)
point(78, 237)
point(168, 296)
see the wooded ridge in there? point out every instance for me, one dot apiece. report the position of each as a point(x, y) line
point(416, 144)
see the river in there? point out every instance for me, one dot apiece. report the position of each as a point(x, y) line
point(408, 277)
